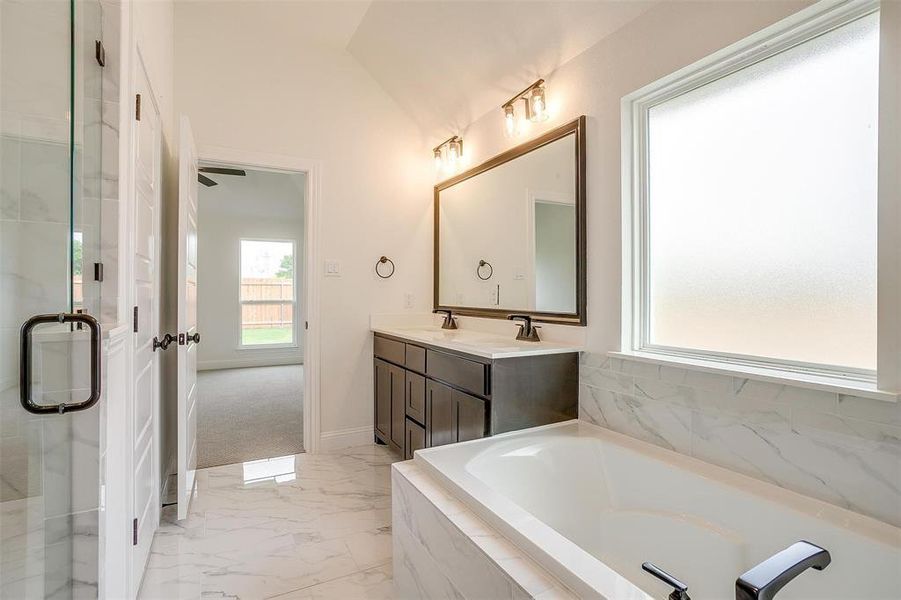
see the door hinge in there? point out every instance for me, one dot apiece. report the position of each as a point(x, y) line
point(98, 271)
point(306, 324)
point(135, 320)
point(100, 53)
point(134, 532)
point(137, 107)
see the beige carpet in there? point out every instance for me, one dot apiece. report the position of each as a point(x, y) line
point(248, 414)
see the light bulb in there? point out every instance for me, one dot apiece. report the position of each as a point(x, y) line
point(453, 153)
point(509, 121)
point(536, 104)
point(438, 160)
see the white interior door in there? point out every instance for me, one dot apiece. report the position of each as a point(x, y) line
point(143, 423)
point(188, 337)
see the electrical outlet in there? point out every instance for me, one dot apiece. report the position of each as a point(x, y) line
point(492, 296)
point(408, 300)
point(332, 268)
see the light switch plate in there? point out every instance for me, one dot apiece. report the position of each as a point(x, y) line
point(332, 268)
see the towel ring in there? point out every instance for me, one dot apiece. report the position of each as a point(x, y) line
point(484, 263)
point(382, 261)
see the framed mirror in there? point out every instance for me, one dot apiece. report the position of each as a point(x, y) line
point(510, 232)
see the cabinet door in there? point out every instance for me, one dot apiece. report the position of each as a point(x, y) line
point(398, 406)
point(416, 397)
point(415, 438)
point(383, 400)
point(470, 417)
point(440, 415)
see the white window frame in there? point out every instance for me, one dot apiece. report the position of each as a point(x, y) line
point(799, 28)
point(241, 303)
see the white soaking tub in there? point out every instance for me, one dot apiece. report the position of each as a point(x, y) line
point(590, 506)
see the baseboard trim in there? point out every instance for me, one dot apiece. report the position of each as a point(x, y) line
point(329, 441)
point(238, 363)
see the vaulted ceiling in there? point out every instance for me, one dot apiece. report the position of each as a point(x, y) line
point(445, 62)
point(448, 62)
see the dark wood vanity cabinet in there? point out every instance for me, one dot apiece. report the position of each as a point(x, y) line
point(428, 396)
point(390, 397)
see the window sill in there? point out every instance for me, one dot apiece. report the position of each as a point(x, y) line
point(269, 347)
point(838, 385)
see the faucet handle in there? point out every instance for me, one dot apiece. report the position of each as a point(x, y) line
point(763, 581)
point(680, 590)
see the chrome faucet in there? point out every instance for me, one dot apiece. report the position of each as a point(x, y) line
point(449, 321)
point(763, 581)
point(527, 331)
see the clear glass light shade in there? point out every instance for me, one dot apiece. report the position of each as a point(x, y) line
point(537, 105)
point(453, 153)
point(438, 161)
point(509, 121)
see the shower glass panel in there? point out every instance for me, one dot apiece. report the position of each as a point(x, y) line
point(50, 102)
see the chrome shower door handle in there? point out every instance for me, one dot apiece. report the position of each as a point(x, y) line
point(25, 363)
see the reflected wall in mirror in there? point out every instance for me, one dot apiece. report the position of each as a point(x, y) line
point(509, 234)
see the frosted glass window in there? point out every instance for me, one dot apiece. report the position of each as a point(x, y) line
point(762, 207)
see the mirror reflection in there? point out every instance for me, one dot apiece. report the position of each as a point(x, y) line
point(507, 236)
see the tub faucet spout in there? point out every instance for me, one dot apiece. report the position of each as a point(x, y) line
point(763, 581)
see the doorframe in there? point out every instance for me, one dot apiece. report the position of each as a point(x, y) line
point(312, 169)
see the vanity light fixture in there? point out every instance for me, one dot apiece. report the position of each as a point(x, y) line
point(535, 104)
point(448, 152)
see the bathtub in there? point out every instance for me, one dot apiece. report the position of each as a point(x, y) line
point(590, 506)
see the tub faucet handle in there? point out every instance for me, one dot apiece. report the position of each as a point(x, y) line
point(680, 590)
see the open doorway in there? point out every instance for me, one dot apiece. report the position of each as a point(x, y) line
point(250, 306)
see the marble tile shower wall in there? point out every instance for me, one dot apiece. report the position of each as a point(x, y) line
point(50, 466)
point(844, 450)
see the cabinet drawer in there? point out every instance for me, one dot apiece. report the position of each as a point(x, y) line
point(390, 350)
point(415, 358)
point(415, 439)
point(415, 397)
point(465, 374)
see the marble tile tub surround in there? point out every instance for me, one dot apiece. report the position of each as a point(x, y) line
point(845, 450)
point(443, 550)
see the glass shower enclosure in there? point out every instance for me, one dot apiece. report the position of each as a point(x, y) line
point(51, 81)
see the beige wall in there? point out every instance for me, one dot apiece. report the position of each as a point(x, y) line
point(659, 42)
point(274, 94)
point(269, 92)
point(218, 307)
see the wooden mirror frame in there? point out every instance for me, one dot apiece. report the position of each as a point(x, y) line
point(577, 128)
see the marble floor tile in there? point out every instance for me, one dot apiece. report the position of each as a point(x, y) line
point(320, 531)
point(372, 584)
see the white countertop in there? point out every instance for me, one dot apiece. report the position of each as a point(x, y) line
point(477, 343)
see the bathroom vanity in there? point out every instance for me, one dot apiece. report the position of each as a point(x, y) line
point(434, 387)
point(509, 241)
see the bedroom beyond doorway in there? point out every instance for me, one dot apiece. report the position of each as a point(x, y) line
point(250, 256)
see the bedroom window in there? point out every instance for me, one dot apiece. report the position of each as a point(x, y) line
point(267, 294)
point(753, 201)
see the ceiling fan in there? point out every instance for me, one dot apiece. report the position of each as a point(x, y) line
point(217, 171)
